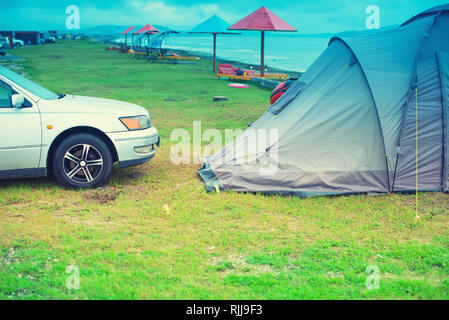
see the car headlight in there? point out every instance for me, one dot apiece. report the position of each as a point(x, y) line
point(136, 123)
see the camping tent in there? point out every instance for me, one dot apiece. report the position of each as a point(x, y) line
point(370, 115)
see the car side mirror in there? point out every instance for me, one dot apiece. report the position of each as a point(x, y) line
point(17, 101)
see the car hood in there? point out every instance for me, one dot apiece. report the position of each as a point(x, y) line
point(80, 104)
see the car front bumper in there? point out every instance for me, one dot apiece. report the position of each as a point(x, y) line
point(135, 147)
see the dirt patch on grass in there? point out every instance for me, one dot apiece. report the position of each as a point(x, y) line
point(426, 201)
point(175, 99)
point(103, 196)
point(133, 175)
point(13, 200)
point(14, 65)
point(56, 56)
point(237, 264)
point(9, 257)
point(430, 277)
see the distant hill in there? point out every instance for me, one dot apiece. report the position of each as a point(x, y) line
point(104, 30)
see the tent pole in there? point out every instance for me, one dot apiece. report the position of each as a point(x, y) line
point(262, 58)
point(215, 51)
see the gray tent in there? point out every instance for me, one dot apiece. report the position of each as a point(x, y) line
point(370, 115)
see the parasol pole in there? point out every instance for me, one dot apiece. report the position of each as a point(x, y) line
point(215, 51)
point(262, 58)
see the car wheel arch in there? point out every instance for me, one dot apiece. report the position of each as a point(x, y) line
point(76, 130)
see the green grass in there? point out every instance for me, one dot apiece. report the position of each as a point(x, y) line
point(210, 246)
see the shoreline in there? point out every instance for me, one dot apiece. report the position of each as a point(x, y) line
point(238, 64)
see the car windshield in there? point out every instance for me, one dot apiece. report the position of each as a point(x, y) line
point(28, 85)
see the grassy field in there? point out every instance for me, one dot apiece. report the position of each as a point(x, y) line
point(210, 246)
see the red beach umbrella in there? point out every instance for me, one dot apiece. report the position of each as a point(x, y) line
point(262, 20)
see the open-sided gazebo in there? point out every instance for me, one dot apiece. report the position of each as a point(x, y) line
point(125, 33)
point(148, 30)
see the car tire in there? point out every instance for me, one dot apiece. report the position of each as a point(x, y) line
point(82, 161)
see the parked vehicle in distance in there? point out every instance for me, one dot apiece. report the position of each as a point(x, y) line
point(18, 43)
point(76, 138)
point(50, 40)
point(4, 45)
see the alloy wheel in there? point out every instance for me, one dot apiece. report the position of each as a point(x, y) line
point(83, 163)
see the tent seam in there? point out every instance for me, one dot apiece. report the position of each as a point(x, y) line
point(374, 102)
point(444, 121)
point(413, 83)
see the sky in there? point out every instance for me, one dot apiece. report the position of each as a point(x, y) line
point(308, 16)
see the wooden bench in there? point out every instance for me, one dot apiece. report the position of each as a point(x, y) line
point(248, 77)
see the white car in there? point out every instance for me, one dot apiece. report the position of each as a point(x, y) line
point(18, 43)
point(77, 138)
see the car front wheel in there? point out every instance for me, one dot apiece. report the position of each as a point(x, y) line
point(82, 161)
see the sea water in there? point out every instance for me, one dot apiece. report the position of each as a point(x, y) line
point(293, 53)
point(287, 52)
